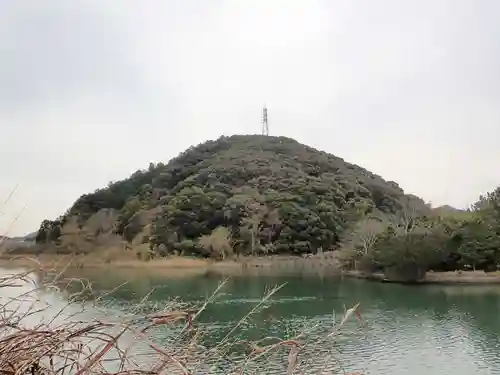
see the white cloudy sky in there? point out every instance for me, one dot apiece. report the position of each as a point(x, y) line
point(92, 90)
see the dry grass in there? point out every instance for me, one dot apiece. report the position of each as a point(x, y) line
point(66, 344)
point(99, 260)
point(176, 266)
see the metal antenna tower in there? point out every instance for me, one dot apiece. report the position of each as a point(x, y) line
point(265, 125)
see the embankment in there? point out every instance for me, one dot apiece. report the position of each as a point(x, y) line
point(178, 266)
point(455, 277)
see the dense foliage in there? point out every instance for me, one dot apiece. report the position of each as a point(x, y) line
point(407, 246)
point(242, 194)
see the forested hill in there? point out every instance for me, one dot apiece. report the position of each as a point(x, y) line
point(244, 193)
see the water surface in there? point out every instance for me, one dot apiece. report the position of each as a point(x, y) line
point(404, 329)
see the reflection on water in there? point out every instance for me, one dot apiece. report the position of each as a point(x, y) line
point(405, 329)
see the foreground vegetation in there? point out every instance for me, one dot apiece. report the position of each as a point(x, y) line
point(238, 195)
point(405, 247)
point(64, 343)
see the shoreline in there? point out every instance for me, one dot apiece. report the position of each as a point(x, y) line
point(442, 278)
point(177, 266)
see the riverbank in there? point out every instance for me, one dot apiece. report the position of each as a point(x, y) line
point(455, 277)
point(177, 266)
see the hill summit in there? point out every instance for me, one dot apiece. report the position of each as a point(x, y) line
point(239, 194)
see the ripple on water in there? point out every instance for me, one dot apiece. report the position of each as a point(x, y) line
point(404, 330)
point(406, 342)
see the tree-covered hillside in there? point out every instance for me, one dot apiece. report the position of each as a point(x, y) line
point(240, 194)
point(446, 240)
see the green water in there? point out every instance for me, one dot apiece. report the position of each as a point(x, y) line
point(404, 329)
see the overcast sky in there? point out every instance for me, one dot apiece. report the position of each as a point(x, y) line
point(91, 91)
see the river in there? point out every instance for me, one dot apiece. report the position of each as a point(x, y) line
point(415, 330)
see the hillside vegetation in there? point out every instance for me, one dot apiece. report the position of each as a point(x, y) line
point(244, 194)
point(446, 240)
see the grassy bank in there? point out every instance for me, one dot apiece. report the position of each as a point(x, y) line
point(178, 266)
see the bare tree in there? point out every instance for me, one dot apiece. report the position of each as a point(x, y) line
point(218, 242)
point(366, 233)
point(362, 239)
point(404, 221)
point(256, 212)
point(273, 220)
